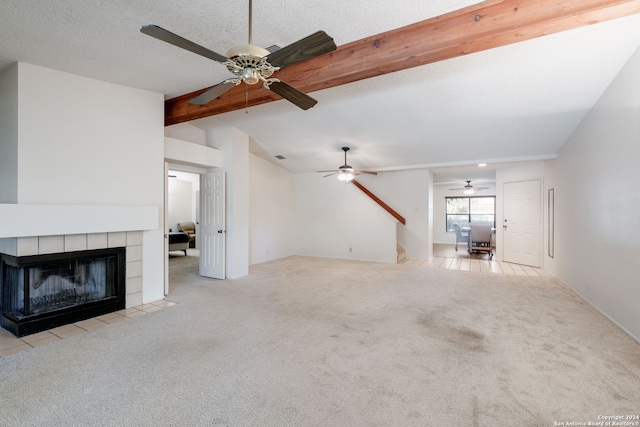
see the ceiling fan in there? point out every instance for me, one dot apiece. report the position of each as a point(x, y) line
point(253, 64)
point(470, 189)
point(345, 172)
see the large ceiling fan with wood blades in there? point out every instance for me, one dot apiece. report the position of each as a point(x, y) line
point(470, 189)
point(346, 172)
point(253, 64)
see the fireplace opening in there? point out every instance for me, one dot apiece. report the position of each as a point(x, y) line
point(45, 291)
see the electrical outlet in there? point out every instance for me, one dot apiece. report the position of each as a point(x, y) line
point(588, 285)
point(350, 249)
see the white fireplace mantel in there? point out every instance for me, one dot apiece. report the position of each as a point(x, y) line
point(25, 220)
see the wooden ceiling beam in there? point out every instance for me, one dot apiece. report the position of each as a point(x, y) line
point(487, 25)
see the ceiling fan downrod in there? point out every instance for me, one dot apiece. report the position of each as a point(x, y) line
point(250, 20)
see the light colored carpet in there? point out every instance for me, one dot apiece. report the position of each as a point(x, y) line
point(322, 342)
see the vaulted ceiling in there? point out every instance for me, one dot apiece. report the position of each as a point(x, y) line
point(514, 102)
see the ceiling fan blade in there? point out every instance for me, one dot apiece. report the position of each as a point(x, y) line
point(174, 39)
point(330, 174)
point(211, 94)
point(273, 48)
point(293, 95)
point(367, 172)
point(311, 46)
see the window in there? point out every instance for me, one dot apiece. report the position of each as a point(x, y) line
point(463, 210)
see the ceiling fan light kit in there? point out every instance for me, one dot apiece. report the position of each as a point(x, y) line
point(253, 64)
point(346, 173)
point(248, 62)
point(469, 189)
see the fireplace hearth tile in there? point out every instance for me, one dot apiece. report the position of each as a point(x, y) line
point(76, 330)
point(17, 349)
point(115, 319)
point(84, 324)
point(108, 316)
point(137, 313)
point(5, 335)
point(91, 324)
point(164, 303)
point(94, 326)
point(127, 311)
point(9, 341)
point(9, 344)
point(150, 308)
point(37, 336)
point(62, 329)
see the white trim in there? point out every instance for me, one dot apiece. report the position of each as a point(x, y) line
point(579, 295)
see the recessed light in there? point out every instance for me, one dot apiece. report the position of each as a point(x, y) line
point(482, 165)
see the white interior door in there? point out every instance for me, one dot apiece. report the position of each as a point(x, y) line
point(212, 225)
point(522, 227)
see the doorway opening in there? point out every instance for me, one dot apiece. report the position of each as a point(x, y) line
point(183, 222)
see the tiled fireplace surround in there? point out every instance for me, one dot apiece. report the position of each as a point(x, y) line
point(132, 240)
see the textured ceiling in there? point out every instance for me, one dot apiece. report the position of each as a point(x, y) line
point(518, 102)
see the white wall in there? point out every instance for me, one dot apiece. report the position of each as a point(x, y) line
point(272, 220)
point(597, 203)
point(84, 141)
point(234, 148)
point(180, 203)
point(332, 217)
point(87, 142)
point(9, 135)
point(407, 192)
point(186, 132)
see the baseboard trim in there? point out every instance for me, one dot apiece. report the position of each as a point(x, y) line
point(595, 307)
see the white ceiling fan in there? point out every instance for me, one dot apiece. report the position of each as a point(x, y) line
point(469, 189)
point(253, 64)
point(346, 172)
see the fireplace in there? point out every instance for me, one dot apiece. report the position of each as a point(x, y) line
point(41, 292)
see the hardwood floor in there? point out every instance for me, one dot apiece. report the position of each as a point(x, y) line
point(445, 256)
